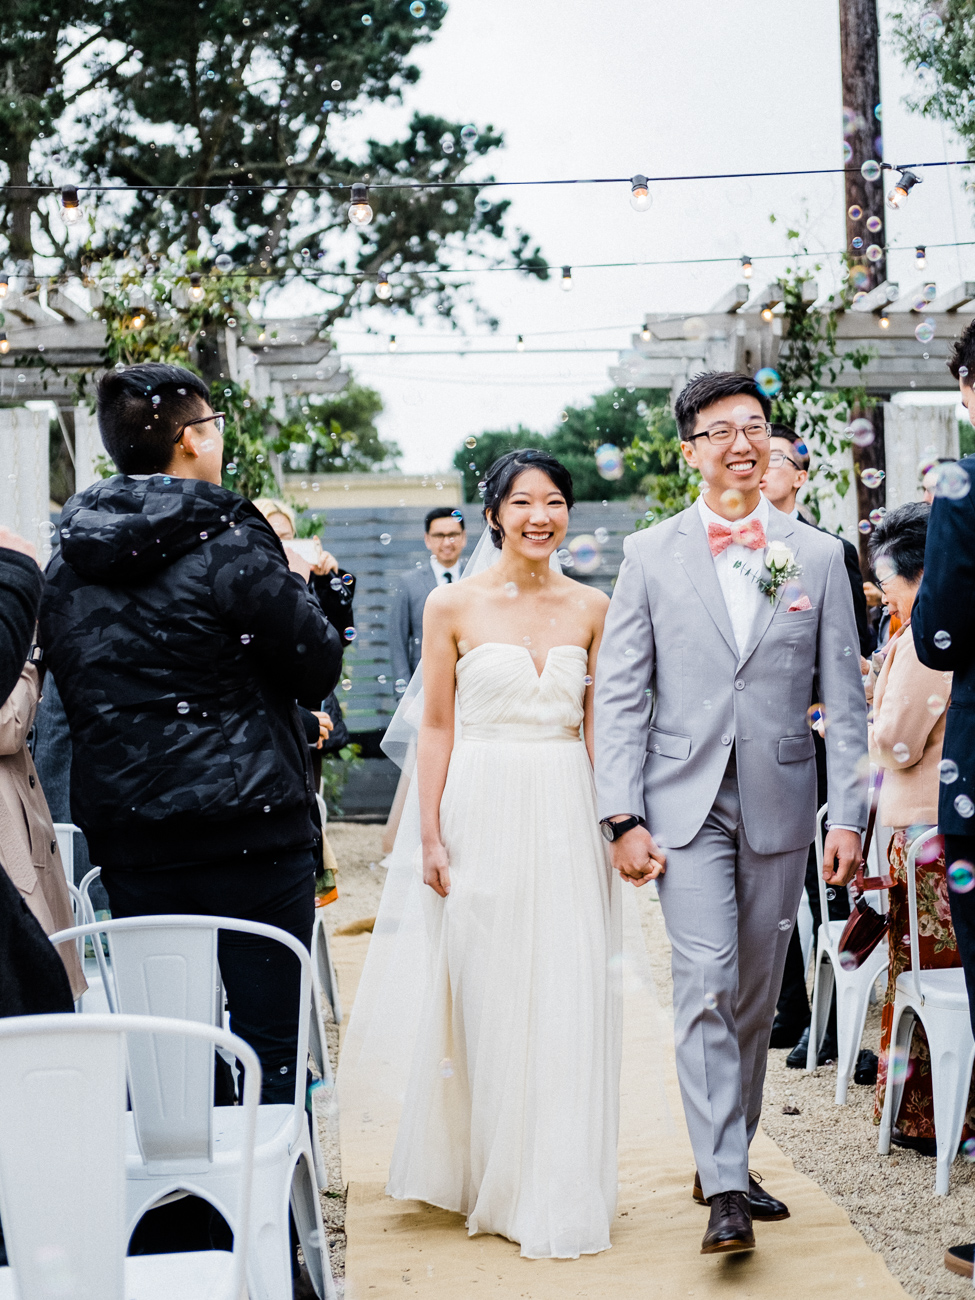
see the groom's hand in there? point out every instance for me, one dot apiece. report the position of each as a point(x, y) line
point(636, 856)
point(841, 856)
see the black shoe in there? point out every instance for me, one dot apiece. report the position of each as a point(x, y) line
point(730, 1225)
point(959, 1259)
point(866, 1068)
point(786, 1033)
point(923, 1146)
point(796, 1060)
point(760, 1204)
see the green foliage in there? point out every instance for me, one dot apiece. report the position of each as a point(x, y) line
point(337, 433)
point(669, 484)
point(966, 438)
point(615, 417)
point(942, 57)
point(336, 770)
point(237, 102)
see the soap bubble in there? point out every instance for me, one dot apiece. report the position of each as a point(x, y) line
point(964, 806)
point(942, 639)
point(367, 20)
point(948, 771)
point(968, 1149)
point(245, 638)
point(936, 705)
point(951, 481)
point(870, 170)
point(785, 924)
point(349, 634)
point(182, 707)
point(46, 529)
point(830, 895)
point(447, 142)
point(874, 224)
point(847, 151)
point(931, 25)
point(859, 278)
point(564, 558)
point(346, 684)
point(924, 332)
point(865, 526)
point(848, 960)
point(901, 752)
point(609, 461)
point(381, 679)
point(336, 85)
point(482, 203)
point(629, 653)
point(399, 686)
point(418, 8)
point(861, 432)
point(877, 515)
point(854, 212)
point(601, 535)
point(470, 443)
point(384, 539)
point(587, 680)
point(446, 1068)
point(961, 878)
point(856, 243)
point(710, 1001)
point(510, 590)
point(962, 372)
point(874, 252)
point(585, 552)
point(769, 381)
point(469, 135)
point(733, 502)
point(224, 263)
point(898, 1065)
point(872, 478)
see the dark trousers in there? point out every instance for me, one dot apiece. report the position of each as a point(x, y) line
point(962, 848)
point(793, 1004)
point(261, 977)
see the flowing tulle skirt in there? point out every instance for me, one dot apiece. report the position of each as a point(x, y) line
point(512, 1111)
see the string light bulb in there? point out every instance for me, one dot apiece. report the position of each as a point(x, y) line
point(360, 213)
point(4, 284)
point(566, 278)
point(898, 196)
point(392, 344)
point(883, 320)
point(4, 342)
point(746, 267)
point(645, 334)
point(640, 198)
point(767, 313)
point(195, 292)
point(383, 289)
point(920, 257)
point(70, 206)
point(520, 345)
point(138, 321)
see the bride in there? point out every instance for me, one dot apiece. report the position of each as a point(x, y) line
point(512, 1107)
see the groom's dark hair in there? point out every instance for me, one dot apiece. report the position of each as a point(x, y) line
point(706, 389)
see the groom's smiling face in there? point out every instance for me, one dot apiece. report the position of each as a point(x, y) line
point(739, 465)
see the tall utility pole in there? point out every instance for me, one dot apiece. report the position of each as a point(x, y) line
point(860, 59)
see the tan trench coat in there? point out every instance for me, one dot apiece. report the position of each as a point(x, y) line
point(28, 846)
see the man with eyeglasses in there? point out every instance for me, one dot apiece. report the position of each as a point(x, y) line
point(721, 618)
point(445, 538)
point(180, 634)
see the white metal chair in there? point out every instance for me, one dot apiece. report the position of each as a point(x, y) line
point(321, 954)
point(167, 965)
point(853, 987)
point(64, 833)
point(939, 999)
point(63, 1137)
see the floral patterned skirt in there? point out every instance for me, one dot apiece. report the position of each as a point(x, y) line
point(938, 949)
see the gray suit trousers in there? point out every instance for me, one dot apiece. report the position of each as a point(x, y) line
point(729, 913)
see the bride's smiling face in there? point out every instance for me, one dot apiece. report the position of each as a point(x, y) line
point(534, 516)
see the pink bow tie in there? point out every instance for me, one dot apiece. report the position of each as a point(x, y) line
point(721, 536)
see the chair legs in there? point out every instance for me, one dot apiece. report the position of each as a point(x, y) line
point(951, 1075)
point(823, 981)
point(901, 1030)
point(306, 1208)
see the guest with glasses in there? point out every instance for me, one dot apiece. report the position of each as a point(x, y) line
point(445, 538)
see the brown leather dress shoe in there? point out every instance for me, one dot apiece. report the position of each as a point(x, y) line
point(762, 1206)
point(730, 1225)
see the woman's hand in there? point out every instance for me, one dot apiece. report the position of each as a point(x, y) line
point(325, 725)
point(325, 563)
point(436, 869)
point(297, 563)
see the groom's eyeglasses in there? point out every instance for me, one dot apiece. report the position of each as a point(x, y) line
point(778, 458)
point(723, 435)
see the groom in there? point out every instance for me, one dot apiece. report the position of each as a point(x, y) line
point(721, 620)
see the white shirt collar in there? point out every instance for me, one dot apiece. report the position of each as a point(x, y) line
point(439, 570)
point(761, 513)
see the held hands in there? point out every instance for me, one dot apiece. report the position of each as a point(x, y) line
point(436, 869)
point(636, 856)
point(841, 856)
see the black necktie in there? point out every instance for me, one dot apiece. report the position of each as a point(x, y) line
point(447, 577)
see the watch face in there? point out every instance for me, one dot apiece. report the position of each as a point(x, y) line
point(607, 830)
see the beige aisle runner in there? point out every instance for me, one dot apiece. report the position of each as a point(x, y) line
point(401, 1248)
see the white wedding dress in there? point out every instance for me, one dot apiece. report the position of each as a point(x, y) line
point(511, 1113)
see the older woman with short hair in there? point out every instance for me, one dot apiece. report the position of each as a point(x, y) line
point(906, 735)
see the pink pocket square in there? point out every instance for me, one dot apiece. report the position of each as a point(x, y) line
point(799, 605)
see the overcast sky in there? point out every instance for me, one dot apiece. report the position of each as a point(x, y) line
point(583, 89)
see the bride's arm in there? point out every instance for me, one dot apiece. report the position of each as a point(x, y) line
point(435, 740)
point(600, 606)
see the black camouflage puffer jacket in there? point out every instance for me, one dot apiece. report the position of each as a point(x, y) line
point(179, 640)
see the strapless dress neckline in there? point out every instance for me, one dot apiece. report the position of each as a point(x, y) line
point(523, 649)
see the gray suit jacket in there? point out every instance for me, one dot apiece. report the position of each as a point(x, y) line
point(673, 694)
point(406, 621)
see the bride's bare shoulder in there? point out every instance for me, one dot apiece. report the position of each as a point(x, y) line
point(589, 598)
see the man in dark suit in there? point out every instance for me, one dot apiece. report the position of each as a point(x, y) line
point(788, 470)
point(445, 538)
point(943, 624)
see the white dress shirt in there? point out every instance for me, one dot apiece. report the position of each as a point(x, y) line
point(742, 595)
point(439, 571)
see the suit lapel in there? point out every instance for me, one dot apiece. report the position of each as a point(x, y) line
point(781, 528)
point(695, 557)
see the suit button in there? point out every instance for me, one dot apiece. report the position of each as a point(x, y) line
point(32, 782)
point(656, 749)
point(726, 740)
point(739, 685)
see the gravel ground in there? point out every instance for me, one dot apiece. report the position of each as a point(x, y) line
point(890, 1199)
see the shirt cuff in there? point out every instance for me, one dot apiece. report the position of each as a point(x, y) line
point(836, 826)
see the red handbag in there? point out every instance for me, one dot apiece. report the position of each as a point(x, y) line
point(866, 927)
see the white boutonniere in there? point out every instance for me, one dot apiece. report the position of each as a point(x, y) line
point(781, 564)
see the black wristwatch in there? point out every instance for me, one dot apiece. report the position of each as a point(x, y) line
point(613, 830)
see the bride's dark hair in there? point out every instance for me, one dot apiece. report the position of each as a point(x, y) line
point(500, 478)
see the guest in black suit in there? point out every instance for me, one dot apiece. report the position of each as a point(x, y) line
point(943, 623)
point(788, 470)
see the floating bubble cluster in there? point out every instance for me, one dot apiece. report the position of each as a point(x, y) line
point(585, 552)
point(872, 478)
point(609, 461)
